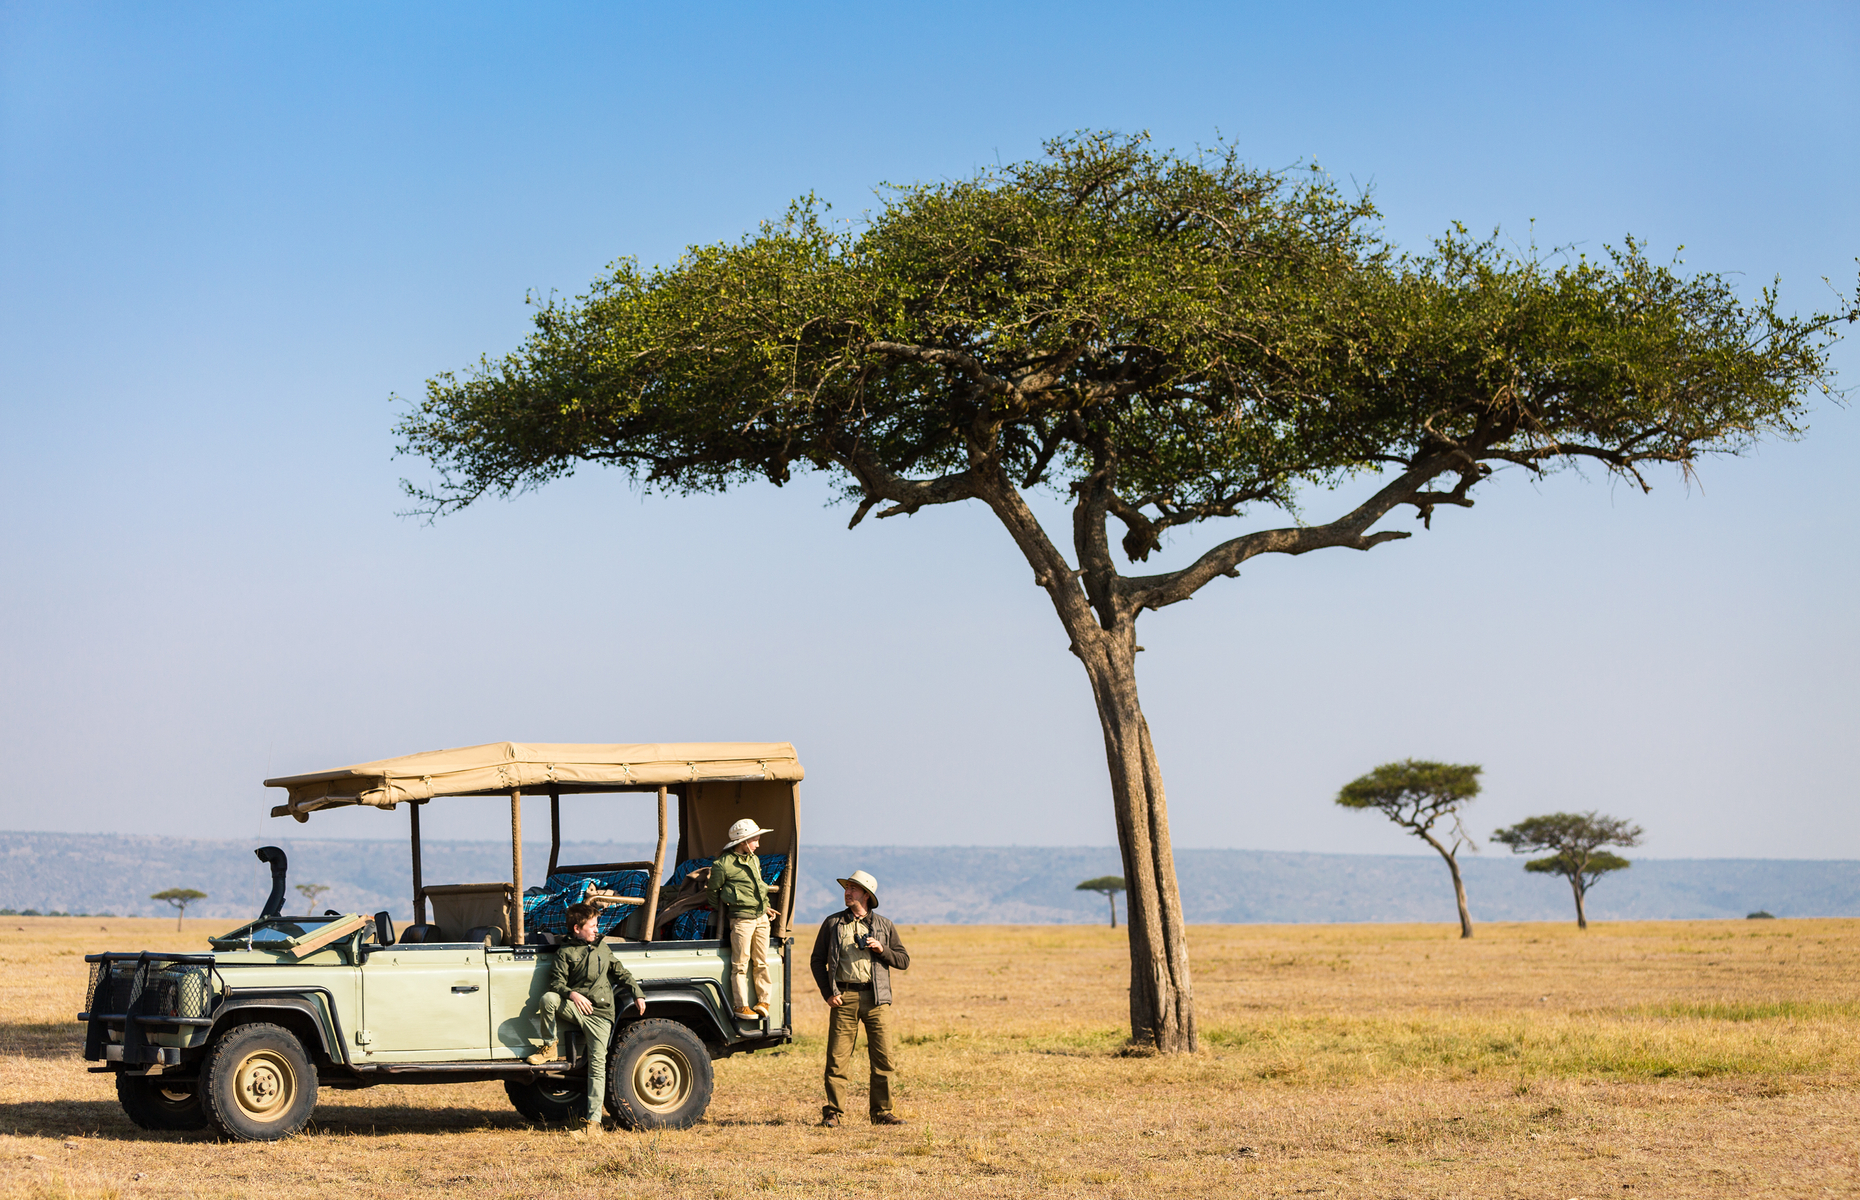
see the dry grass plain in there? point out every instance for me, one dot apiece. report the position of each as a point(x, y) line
point(1683, 1059)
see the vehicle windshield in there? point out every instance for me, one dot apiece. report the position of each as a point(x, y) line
point(278, 932)
point(283, 929)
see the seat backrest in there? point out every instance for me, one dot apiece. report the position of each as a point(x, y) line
point(488, 935)
point(458, 907)
point(415, 935)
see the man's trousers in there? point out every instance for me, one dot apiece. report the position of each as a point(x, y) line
point(843, 1033)
point(597, 1030)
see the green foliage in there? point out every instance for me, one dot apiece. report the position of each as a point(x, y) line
point(1575, 840)
point(179, 897)
point(1416, 794)
point(1760, 915)
point(1104, 885)
point(1412, 783)
point(1599, 863)
point(1197, 335)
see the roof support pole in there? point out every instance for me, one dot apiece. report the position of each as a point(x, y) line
point(419, 895)
point(516, 866)
point(658, 872)
point(555, 827)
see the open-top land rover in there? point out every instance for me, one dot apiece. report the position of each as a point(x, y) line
point(242, 1038)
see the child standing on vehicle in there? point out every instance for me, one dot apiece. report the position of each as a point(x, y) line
point(581, 992)
point(741, 899)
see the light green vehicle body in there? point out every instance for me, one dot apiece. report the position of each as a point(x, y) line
point(369, 1011)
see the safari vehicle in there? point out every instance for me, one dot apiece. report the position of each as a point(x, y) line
point(242, 1038)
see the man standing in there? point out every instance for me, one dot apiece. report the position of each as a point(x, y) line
point(741, 899)
point(581, 992)
point(853, 959)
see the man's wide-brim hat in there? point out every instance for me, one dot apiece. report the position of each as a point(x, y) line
point(743, 830)
point(862, 879)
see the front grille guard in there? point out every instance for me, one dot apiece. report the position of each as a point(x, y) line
point(140, 990)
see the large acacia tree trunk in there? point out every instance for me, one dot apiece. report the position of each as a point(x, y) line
point(1162, 1009)
point(1103, 633)
point(1582, 917)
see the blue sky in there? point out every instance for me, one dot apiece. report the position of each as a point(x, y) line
point(230, 233)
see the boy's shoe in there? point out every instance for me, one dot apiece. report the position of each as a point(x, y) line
point(544, 1053)
point(748, 1014)
point(582, 1133)
point(829, 1119)
point(761, 1010)
point(886, 1118)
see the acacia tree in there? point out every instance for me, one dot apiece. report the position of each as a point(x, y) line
point(180, 898)
point(1416, 795)
point(1107, 886)
point(310, 893)
point(1575, 841)
point(1159, 341)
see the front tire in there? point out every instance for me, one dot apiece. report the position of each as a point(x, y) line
point(658, 1076)
point(257, 1084)
point(548, 1102)
point(155, 1103)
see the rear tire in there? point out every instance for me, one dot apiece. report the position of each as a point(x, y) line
point(548, 1102)
point(156, 1103)
point(257, 1084)
point(658, 1076)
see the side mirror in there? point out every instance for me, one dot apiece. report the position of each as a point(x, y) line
point(384, 928)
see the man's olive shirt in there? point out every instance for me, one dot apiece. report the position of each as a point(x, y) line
point(736, 884)
point(592, 970)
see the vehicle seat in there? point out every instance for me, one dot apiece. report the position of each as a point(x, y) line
point(417, 934)
point(459, 907)
point(489, 935)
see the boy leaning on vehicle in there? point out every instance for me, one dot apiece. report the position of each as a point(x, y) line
point(581, 992)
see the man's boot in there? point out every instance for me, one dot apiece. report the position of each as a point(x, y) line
point(829, 1119)
point(544, 1053)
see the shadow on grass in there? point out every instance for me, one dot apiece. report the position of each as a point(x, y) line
point(41, 1039)
point(104, 1118)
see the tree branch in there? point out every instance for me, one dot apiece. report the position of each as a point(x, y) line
point(1349, 531)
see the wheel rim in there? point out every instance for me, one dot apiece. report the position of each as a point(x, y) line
point(265, 1085)
point(174, 1101)
point(662, 1079)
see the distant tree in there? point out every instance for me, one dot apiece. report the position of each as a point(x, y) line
point(310, 892)
point(1107, 886)
point(1760, 915)
point(180, 898)
point(1417, 795)
point(1575, 842)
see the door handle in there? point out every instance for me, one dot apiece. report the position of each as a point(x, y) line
point(459, 989)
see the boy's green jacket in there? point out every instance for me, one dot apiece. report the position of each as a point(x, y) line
point(592, 970)
point(736, 884)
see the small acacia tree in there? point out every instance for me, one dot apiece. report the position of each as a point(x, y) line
point(1107, 886)
point(1417, 795)
point(1575, 841)
point(180, 898)
point(1157, 341)
point(310, 892)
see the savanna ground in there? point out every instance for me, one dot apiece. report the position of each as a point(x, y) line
point(1685, 1059)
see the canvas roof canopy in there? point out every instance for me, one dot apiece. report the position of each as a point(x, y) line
point(499, 768)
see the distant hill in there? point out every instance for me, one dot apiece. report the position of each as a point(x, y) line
point(939, 884)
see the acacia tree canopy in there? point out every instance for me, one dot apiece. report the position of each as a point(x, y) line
point(1160, 340)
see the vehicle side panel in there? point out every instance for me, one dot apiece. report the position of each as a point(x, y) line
point(425, 1003)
